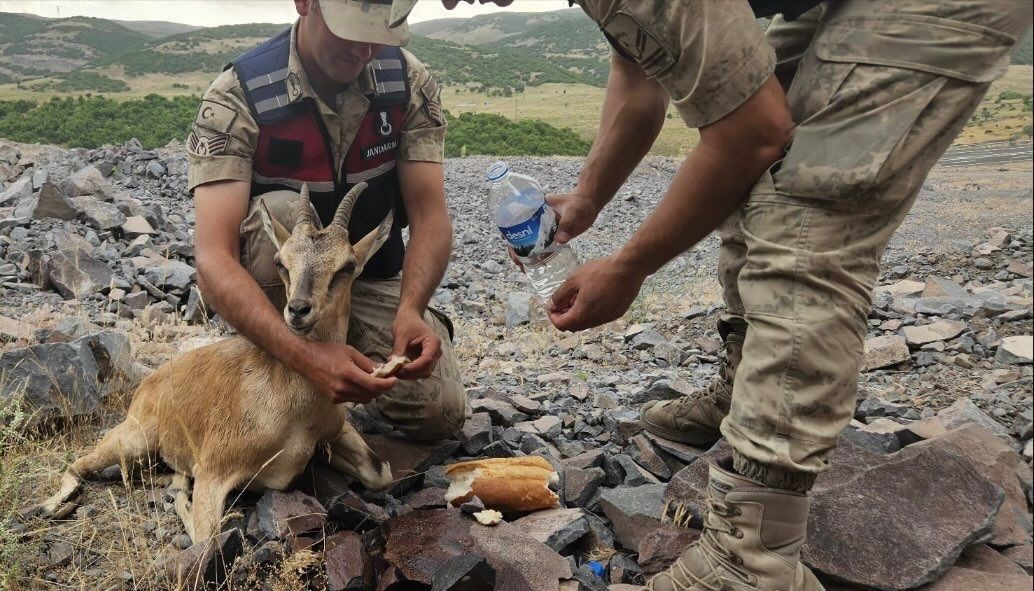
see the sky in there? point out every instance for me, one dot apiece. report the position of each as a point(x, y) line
point(210, 13)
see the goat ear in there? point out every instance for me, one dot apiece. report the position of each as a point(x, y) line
point(372, 242)
point(276, 231)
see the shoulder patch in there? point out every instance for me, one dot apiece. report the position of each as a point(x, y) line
point(215, 116)
point(638, 43)
point(432, 101)
point(207, 144)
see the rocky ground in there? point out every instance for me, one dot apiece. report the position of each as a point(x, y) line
point(931, 486)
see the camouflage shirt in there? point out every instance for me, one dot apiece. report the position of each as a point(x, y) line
point(710, 55)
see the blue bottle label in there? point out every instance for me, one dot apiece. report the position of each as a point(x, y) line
point(534, 235)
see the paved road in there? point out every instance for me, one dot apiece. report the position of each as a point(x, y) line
point(988, 153)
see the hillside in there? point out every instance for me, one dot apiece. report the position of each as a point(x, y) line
point(158, 29)
point(31, 46)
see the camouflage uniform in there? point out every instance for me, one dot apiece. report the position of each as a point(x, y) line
point(221, 147)
point(879, 89)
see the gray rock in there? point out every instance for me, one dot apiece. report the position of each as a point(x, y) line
point(502, 413)
point(1017, 350)
point(467, 572)
point(289, 513)
point(136, 226)
point(76, 275)
point(88, 181)
point(476, 433)
point(883, 351)
point(941, 330)
point(634, 512)
point(345, 561)
point(965, 412)
point(17, 191)
point(154, 170)
point(580, 484)
point(52, 203)
point(171, 275)
point(557, 528)
point(646, 339)
point(99, 214)
point(644, 454)
point(876, 407)
point(59, 379)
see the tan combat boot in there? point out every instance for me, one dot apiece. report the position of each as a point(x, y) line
point(694, 418)
point(752, 541)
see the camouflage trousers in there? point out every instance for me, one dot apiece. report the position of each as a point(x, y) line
point(879, 90)
point(426, 409)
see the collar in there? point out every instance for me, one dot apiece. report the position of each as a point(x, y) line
point(298, 85)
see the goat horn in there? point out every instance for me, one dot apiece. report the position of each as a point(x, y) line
point(306, 213)
point(344, 211)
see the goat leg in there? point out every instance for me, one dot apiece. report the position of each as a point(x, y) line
point(122, 445)
point(181, 485)
point(208, 503)
point(350, 454)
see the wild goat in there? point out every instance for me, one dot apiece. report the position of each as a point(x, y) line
point(232, 416)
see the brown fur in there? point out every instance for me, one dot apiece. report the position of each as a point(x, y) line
point(230, 415)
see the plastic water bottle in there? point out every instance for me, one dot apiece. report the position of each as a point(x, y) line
point(518, 206)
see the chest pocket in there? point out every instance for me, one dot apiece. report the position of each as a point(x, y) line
point(636, 43)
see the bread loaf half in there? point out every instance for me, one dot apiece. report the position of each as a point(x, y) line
point(503, 484)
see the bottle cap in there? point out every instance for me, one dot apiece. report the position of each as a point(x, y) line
point(497, 171)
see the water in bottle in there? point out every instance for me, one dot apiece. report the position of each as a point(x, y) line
point(517, 204)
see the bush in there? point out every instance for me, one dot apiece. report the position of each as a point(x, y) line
point(1008, 95)
point(90, 122)
point(484, 133)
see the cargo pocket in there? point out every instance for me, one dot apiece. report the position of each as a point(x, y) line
point(860, 92)
point(257, 252)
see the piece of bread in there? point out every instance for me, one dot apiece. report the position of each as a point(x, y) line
point(389, 367)
point(504, 484)
point(488, 517)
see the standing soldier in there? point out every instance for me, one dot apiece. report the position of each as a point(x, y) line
point(878, 90)
point(331, 102)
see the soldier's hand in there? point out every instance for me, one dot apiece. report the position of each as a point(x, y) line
point(577, 213)
point(598, 292)
point(415, 339)
point(342, 373)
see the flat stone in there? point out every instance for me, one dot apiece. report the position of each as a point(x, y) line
point(351, 512)
point(647, 339)
point(525, 404)
point(409, 459)
point(427, 498)
point(76, 275)
point(964, 412)
point(905, 287)
point(137, 226)
point(941, 330)
point(207, 562)
point(1000, 464)
point(1022, 556)
point(1017, 350)
point(937, 286)
point(986, 559)
point(284, 514)
point(52, 203)
point(964, 579)
point(421, 543)
point(466, 572)
point(662, 389)
point(680, 451)
point(634, 511)
point(661, 547)
point(99, 214)
point(345, 562)
point(557, 528)
point(644, 454)
point(931, 503)
point(580, 484)
point(883, 351)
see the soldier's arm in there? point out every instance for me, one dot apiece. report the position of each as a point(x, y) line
point(632, 116)
point(713, 181)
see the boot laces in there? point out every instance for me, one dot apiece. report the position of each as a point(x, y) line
point(682, 407)
point(714, 553)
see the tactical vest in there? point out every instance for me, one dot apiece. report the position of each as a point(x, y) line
point(294, 146)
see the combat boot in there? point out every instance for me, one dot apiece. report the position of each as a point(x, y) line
point(751, 541)
point(694, 418)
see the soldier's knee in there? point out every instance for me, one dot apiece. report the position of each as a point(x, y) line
point(444, 419)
